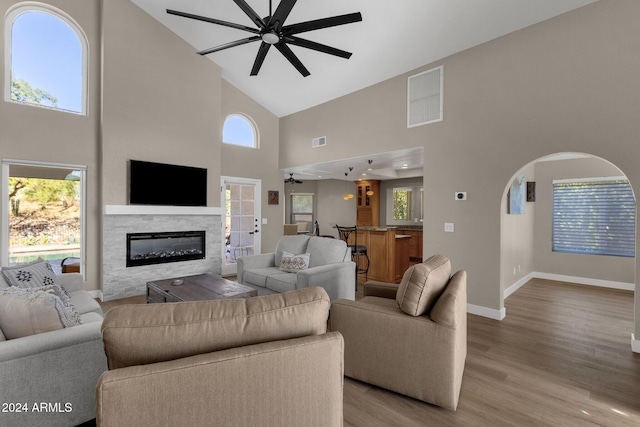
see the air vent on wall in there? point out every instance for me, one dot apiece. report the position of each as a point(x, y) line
point(319, 142)
point(424, 98)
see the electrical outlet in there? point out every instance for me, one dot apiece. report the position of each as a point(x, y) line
point(448, 227)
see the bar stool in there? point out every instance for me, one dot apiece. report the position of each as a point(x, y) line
point(357, 250)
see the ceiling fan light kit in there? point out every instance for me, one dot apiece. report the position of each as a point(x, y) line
point(272, 32)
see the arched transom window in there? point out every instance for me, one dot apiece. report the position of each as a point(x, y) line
point(240, 130)
point(45, 59)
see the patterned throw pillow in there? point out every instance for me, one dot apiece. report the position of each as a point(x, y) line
point(294, 263)
point(25, 312)
point(34, 274)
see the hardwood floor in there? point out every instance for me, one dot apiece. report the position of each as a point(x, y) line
point(561, 357)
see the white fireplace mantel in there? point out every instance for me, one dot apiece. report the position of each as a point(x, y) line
point(159, 210)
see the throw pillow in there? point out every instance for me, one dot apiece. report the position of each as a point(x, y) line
point(34, 274)
point(26, 312)
point(422, 284)
point(294, 263)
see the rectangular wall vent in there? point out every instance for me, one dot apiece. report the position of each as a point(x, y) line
point(319, 142)
point(424, 98)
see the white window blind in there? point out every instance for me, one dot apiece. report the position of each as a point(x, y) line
point(424, 98)
point(594, 217)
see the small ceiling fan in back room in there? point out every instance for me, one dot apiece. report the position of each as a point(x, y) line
point(272, 31)
point(292, 180)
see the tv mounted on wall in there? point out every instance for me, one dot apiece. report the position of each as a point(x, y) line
point(166, 185)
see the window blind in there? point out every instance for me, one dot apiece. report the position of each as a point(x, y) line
point(594, 218)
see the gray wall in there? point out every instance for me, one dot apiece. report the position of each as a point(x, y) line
point(568, 84)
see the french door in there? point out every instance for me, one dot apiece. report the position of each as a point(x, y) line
point(241, 222)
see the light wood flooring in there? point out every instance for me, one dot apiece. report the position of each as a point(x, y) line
point(561, 357)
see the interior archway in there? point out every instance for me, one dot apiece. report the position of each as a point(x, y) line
point(525, 239)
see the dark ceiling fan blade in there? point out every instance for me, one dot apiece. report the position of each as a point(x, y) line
point(228, 45)
point(281, 14)
point(319, 24)
point(317, 46)
point(262, 53)
point(251, 13)
point(288, 53)
point(213, 21)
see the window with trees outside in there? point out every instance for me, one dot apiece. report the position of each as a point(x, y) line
point(45, 59)
point(402, 204)
point(46, 209)
point(594, 217)
point(239, 130)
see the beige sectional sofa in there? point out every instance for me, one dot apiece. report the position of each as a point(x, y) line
point(329, 266)
point(267, 361)
point(57, 370)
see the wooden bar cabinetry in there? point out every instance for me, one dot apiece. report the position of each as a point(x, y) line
point(368, 205)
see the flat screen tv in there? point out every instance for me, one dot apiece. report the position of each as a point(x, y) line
point(166, 185)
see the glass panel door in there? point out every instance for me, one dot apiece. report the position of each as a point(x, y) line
point(241, 200)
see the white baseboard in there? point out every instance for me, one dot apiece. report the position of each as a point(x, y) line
point(511, 289)
point(586, 281)
point(491, 313)
point(635, 344)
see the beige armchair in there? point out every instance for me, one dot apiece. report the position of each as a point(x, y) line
point(259, 361)
point(409, 338)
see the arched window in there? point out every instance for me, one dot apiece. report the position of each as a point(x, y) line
point(46, 59)
point(239, 130)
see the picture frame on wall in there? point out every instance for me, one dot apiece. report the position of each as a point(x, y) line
point(531, 191)
point(273, 197)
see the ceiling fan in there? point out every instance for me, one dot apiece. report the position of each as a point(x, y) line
point(272, 31)
point(291, 180)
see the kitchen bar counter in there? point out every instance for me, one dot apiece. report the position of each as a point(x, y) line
point(390, 250)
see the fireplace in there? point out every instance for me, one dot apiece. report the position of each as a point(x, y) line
point(164, 247)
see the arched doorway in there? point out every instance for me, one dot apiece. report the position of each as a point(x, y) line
point(526, 241)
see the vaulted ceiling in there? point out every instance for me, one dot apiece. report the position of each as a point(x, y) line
point(394, 37)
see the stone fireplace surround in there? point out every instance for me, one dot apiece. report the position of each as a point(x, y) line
point(120, 281)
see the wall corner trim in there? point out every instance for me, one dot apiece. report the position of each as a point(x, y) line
point(491, 313)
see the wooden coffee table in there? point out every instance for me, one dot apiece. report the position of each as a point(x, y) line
point(196, 288)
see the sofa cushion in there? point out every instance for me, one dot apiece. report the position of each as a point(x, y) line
point(85, 303)
point(25, 312)
point(34, 274)
point(422, 284)
point(283, 282)
point(291, 244)
point(2, 337)
point(3, 282)
point(325, 251)
point(138, 334)
point(293, 263)
point(258, 276)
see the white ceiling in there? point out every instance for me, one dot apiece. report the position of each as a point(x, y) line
point(393, 38)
